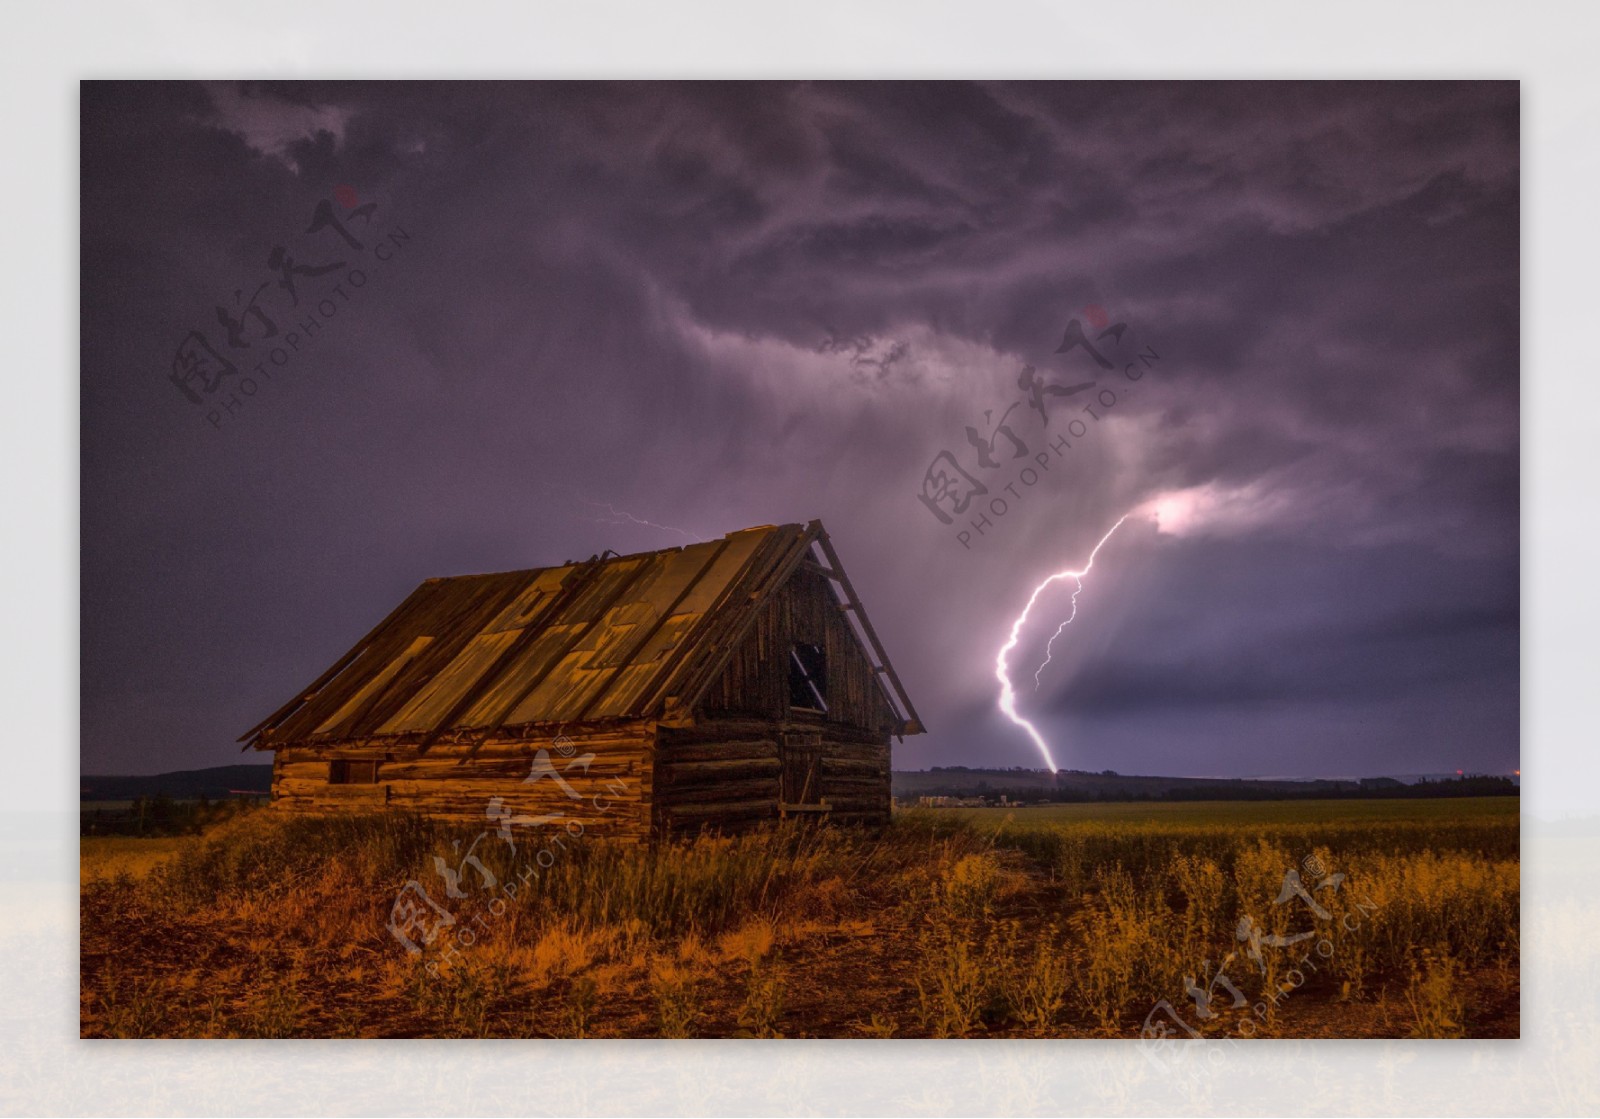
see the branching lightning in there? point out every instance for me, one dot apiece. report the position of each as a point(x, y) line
point(615, 516)
point(622, 516)
point(1077, 577)
point(1008, 695)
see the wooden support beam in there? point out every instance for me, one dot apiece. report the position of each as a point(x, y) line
point(912, 721)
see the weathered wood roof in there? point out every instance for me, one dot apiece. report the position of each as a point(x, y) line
point(613, 637)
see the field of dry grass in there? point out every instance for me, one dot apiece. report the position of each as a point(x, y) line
point(106, 857)
point(1076, 921)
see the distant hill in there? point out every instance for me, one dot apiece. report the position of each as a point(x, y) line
point(1076, 785)
point(218, 783)
point(224, 781)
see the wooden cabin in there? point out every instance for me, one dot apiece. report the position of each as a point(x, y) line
point(716, 685)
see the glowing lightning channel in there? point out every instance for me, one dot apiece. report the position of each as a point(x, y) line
point(622, 516)
point(1008, 695)
point(1077, 577)
point(617, 516)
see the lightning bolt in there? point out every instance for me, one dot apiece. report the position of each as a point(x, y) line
point(1077, 577)
point(617, 516)
point(622, 516)
point(1008, 694)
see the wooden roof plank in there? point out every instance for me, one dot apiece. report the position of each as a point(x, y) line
point(338, 666)
point(611, 597)
point(432, 703)
point(464, 620)
point(373, 661)
point(644, 638)
point(342, 723)
point(572, 587)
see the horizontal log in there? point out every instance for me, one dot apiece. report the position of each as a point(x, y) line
point(731, 809)
point(869, 753)
point(511, 792)
point(634, 738)
point(510, 769)
point(717, 730)
point(856, 790)
point(714, 751)
point(757, 789)
point(629, 828)
point(571, 824)
point(602, 745)
point(352, 752)
point(858, 804)
point(540, 793)
point(856, 751)
point(855, 736)
point(292, 787)
point(743, 784)
point(690, 772)
point(855, 783)
point(851, 767)
point(427, 769)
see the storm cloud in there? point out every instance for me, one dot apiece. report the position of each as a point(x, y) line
point(620, 315)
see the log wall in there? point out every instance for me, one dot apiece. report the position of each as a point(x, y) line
point(727, 774)
point(612, 795)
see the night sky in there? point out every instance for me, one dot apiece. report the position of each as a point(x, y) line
point(571, 317)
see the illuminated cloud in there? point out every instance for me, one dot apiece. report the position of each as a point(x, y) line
point(1215, 508)
point(271, 124)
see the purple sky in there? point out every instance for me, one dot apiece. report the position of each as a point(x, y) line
point(714, 306)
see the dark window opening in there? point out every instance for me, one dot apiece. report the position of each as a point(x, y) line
point(808, 678)
point(343, 771)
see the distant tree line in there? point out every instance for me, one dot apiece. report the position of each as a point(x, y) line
point(161, 815)
point(1367, 789)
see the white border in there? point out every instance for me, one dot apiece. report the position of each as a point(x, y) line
point(44, 1069)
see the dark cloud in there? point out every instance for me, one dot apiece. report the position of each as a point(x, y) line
point(714, 305)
